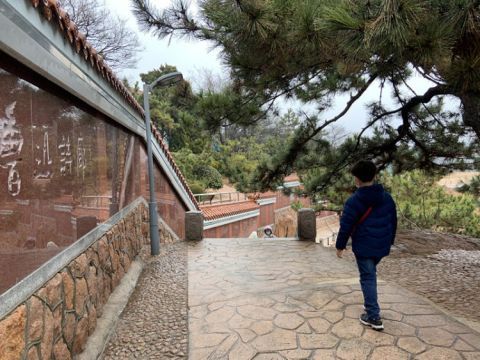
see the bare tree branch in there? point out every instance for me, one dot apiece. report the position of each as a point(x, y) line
point(108, 34)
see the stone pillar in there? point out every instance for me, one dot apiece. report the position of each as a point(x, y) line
point(193, 226)
point(307, 229)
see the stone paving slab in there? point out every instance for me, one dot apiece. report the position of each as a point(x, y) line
point(254, 299)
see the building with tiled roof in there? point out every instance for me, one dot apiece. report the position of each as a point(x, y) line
point(291, 177)
point(291, 181)
point(217, 211)
point(242, 218)
point(238, 219)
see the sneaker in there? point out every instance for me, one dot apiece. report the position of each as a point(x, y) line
point(374, 324)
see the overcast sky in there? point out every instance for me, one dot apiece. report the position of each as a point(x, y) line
point(190, 57)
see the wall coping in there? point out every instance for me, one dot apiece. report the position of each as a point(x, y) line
point(290, 184)
point(230, 219)
point(266, 201)
point(21, 291)
point(283, 208)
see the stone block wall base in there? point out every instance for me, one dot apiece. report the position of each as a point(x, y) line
point(167, 235)
point(55, 322)
point(107, 323)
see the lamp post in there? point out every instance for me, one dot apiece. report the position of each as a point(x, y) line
point(163, 80)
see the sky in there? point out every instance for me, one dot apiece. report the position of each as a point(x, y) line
point(189, 56)
point(193, 57)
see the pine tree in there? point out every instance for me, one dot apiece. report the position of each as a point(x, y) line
point(314, 50)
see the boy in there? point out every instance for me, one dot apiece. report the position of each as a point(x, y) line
point(370, 218)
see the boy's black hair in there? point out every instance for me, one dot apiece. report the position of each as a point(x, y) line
point(365, 170)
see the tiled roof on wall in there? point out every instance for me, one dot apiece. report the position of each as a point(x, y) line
point(265, 195)
point(52, 12)
point(291, 177)
point(216, 211)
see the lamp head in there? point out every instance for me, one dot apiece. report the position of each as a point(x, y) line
point(167, 79)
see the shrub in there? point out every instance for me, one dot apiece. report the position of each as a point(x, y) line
point(197, 188)
point(421, 202)
point(209, 176)
point(296, 205)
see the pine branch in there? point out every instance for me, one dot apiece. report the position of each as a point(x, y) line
point(301, 140)
point(168, 22)
point(388, 146)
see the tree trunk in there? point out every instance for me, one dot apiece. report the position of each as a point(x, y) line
point(471, 110)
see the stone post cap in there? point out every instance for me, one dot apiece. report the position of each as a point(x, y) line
point(304, 210)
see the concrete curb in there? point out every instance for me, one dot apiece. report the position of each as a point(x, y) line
point(112, 310)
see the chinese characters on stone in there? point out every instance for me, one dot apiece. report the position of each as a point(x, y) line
point(11, 143)
point(43, 161)
point(65, 151)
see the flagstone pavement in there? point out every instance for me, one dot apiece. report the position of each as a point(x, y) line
point(281, 299)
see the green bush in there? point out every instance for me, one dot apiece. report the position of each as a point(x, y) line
point(209, 176)
point(472, 188)
point(198, 169)
point(421, 202)
point(296, 205)
point(197, 188)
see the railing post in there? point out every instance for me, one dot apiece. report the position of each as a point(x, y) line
point(307, 227)
point(193, 226)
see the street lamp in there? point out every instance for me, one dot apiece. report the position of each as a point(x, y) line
point(164, 80)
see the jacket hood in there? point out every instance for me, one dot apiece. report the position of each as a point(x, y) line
point(371, 195)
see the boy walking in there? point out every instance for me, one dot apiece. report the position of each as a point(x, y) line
point(370, 218)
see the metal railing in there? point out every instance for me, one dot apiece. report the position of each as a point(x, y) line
point(220, 197)
point(96, 202)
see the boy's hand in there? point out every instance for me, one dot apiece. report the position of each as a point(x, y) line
point(340, 253)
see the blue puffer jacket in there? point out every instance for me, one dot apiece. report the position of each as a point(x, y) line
point(376, 234)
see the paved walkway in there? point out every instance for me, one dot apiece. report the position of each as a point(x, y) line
point(275, 299)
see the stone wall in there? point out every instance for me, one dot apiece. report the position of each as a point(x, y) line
point(285, 222)
point(167, 235)
point(267, 215)
point(56, 320)
point(238, 229)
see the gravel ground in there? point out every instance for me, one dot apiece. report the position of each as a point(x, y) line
point(154, 324)
point(444, 268)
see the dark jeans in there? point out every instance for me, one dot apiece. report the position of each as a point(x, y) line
point(367, 266)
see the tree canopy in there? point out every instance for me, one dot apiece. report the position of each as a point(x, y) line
point(202, 131)
point(421, 203)
point(315, 50)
